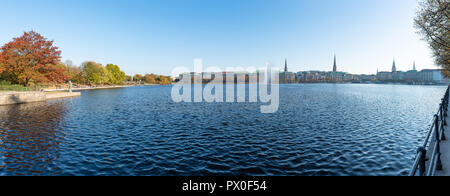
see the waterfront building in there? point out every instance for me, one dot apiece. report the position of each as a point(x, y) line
point(336, 76)
point(433, 75)
point(427, 76)
point(412, 76)
point(367, 78)
point(286, 76)
point(384, 76)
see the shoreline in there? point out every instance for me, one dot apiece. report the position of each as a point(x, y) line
point(21, 97)
point(85, 88)
point(96, 88)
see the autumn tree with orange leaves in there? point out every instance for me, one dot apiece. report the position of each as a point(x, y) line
point(31, 58)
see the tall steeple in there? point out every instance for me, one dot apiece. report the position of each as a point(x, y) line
point(334, 65)
point(414, 66)
point(285, 66)
point(394, 69)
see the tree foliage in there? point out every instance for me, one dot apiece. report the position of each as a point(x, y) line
point(31, 58)
point(153, 79)
point(95, 73)
point(138, 77)
point(164, 80)
point(150, 78)
point(75, 73)
point(117, 76)
point(433, 23)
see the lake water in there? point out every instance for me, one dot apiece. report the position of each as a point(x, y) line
point(320, 129)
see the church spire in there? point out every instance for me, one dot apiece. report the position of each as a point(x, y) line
point(414, 66)
point(285, 66)
point(334, 65)
point(394, 68)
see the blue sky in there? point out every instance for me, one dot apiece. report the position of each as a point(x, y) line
point(155, 36)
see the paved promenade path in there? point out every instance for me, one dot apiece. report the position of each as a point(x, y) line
point(445, 152)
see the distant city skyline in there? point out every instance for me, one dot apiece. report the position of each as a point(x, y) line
point(156, 36)
point(335, 68)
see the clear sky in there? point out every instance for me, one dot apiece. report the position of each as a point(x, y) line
point(154, 36)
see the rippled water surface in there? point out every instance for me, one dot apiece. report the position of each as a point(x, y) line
point(320, 129)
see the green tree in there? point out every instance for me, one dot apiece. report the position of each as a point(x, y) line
point(116, 75)
point(433, 23)
point(96, 73)
point(138, 77)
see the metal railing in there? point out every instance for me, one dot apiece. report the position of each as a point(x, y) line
point(432, 144)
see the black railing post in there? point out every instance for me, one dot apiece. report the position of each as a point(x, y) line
point(445, 107)
point(441, 114)
point(437, 139)
point(446, 97)
point(443, 121)
point(422, 162)
point(443, 124)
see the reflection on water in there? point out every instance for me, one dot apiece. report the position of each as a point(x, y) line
point(30, 136)
point(320, 129)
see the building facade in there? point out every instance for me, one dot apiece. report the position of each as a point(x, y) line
point(412, 76)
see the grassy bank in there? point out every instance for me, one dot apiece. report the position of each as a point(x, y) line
point(7, 86)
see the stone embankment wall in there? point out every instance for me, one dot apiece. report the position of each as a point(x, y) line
point(8, 98)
